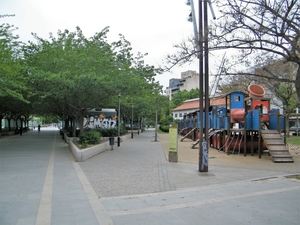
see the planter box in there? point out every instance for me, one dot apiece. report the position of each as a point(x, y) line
point(7, 133)
point(81, 155)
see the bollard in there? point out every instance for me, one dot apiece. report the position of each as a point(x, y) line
point(112, 142)
point(119, 140)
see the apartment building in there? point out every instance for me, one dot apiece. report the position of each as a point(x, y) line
point(189, 80)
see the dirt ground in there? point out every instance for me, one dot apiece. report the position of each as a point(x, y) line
point(219, 158)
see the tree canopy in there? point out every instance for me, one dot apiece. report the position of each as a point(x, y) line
point(12, 83)
point(259, 31)
point(179, 97)
point(68, 74)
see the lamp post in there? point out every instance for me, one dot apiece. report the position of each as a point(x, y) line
point(202, 40)
point(132, 122)
point(119, 120)
point(192, 18)
point(155, 139)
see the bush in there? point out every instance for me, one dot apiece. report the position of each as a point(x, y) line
point(164, 128)
point(112, 132)
point(90, 137)
point(108, 132)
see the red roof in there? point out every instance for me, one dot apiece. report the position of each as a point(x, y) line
point(195, 104)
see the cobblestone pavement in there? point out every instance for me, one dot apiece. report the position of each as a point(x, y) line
point(140, 166)
point(40, 183)
point(130, 169)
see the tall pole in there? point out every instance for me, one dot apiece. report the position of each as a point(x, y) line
point(132, 122)
point(203, 124)
point(196, 35)
point(200, 116)
point(155, 139)
point(119, 120)
point(205, 150)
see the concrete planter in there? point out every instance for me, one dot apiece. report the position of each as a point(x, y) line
point(7, 133)
point(81, 155)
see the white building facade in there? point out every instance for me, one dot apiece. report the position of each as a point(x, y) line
point(189, 80)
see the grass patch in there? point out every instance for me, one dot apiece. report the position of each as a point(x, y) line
point(159, 131)
point(294, 177)
point(293, 140)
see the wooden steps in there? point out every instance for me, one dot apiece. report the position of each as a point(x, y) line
point(276, 146)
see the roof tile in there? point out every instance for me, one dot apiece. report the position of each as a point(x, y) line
point(195, 104)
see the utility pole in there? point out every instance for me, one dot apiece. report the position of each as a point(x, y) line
point(203, 64)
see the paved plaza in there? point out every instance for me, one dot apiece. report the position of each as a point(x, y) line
point(40, 183)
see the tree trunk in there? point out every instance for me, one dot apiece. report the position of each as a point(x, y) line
point(9, 127)
point(81, 120)
point(1, 124)
point(287, 126)
point(297, 82)
point(73, 126)
point(67, 121)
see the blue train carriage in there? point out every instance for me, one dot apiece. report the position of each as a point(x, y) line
point(189, 126)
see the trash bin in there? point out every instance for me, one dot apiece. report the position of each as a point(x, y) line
point(111, 142)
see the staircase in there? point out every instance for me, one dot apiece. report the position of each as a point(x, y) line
point(188, 134)
point(276, 146)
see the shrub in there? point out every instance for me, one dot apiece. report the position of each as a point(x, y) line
point(112, 132)
point(89, 137)
point(164, 128)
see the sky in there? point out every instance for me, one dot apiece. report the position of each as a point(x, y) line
point(151, 27)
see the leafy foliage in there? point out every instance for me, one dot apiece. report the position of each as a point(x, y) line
point(164, 128)
point(89, 137)
point(12, 79)
point(68, 74)
point(112, 132)
point(179, 97)
point(257, 32)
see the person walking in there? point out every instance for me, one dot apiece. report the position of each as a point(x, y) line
point(39, 127)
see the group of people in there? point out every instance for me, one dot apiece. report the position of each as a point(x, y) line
point(21, 129)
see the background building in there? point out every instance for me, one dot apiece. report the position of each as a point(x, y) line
point(189, 80)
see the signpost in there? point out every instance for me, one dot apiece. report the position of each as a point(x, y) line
point(173, 143)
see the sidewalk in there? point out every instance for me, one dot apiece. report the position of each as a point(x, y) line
point(40, 183)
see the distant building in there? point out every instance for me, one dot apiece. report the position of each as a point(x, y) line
point(189, 80)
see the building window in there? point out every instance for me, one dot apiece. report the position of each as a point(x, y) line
point(175, 115)
point(180, 114)
point(237, 98)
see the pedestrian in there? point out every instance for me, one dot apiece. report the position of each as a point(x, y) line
point(39, 128)
point(21, 130)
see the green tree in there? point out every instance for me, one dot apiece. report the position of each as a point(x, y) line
point(183, 95)
point(72, 74)
point(71, 71)
point(256, 32)
point(12, 81)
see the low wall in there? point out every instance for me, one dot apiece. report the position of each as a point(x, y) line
point(7, 133)
point(81, 155)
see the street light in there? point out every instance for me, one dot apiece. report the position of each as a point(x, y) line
point(132, 122)
point(192, 18)
point(202, 48)
point(155, 139)
point(119, 120)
